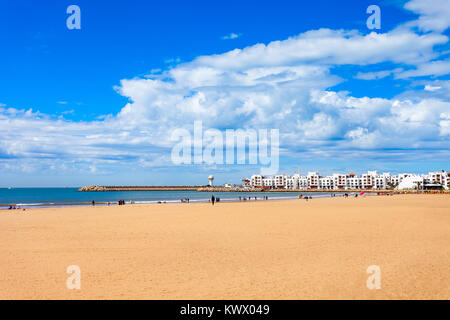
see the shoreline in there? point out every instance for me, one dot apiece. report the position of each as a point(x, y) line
point(128, 202)
point(326, 194)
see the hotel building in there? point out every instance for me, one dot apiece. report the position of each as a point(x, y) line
point(371, 180)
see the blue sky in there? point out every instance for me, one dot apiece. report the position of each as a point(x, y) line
point(97, 105)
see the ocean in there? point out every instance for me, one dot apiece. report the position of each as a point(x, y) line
point(45, 197)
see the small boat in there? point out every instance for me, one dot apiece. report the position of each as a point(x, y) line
point(9, 188)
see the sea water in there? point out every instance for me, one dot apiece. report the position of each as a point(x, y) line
point(44, 197)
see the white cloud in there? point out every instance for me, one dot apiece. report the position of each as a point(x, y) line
point(231, 36)
point(330, 47)
point(362, 138)
point(445, 124)
point(314, 119)
point(434, 14)
point(168, 61)
point(431, 88)
point(433, 68)
point(376, 75)
point(284, 85)
point(373, 75)
point(427, 89)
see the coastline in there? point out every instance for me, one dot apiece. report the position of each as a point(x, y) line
point(274, 194)
point(161, 201)
point(294, 249)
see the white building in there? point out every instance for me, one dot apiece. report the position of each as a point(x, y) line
point(326, 183)
point(280, 181)
point(291, 183)
point(313, 180)
point(256, 180)
point(268, 182)
point(371, 180)
point(411, 182)
point(339, 181)
point(352, 182)
point(437, 179)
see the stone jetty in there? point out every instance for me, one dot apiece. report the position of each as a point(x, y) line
point(137, 188)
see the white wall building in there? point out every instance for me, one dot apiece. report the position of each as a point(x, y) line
point(313, 180)
point(371, 180)
point(256, 180)
point(411, 182)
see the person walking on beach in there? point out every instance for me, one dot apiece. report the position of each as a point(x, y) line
point(213, 199)
point(93, 202)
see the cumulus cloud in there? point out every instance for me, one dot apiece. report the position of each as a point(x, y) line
point(327, 47)
point(283, 85)
point(434, 14)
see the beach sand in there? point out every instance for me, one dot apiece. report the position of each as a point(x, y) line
point(289, 249)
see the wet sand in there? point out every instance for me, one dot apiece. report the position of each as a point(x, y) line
point(289, 249)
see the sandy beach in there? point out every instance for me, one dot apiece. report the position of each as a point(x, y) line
point(289, 249)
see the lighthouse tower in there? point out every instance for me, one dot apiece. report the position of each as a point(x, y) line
point(211, 179)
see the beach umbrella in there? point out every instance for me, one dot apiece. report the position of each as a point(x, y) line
point(362, 192)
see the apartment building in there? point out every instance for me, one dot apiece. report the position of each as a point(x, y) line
point(371, 180)
point(313, 180)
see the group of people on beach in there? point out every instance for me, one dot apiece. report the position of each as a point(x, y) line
point(214, 199)
point(300, 196)
point(15, 208)
point(250, 198)
point(120, 203)
point(346, 195)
